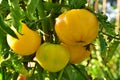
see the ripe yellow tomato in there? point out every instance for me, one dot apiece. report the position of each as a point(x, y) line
point(77, 26)
point(27, 43)
point(52, 57)
point(78, 53)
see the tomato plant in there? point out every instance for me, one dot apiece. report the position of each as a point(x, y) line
point(42, 16)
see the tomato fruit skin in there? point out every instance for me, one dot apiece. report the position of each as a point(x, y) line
point(52, 57)
point(27, 42)
point(78, 53)
point(77, 27)
point(21, 77)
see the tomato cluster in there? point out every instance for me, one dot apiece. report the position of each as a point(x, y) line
point(75, 28)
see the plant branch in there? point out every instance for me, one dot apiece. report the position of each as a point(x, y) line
point(110, 35)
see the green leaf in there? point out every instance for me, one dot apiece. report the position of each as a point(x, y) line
point(4, 8)
point(3, 70)
point(2, 34)
point(6, 68)
point(60, 74)
point(2, 38)
point(42, 14)
point(81, 70)
point(77, 4)
point(8, 75)
point(52, 76)
point(106, 25)
point(15, 75)
point(109, 28)
point(112, 50)
point(16, 14)
point(19, 67)
point(73, 72)
point(5, 28)
point(5, 49)
point(0, 76)
point(101, 17)
point(31, 7)
point(16, 20)
point(103, 46)
point(7, 63)
point(48, 5)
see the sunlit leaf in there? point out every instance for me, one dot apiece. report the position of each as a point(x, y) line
point(0, 75)
point(111, 51)
point(16, 14)
point(105, 24)
point(31, 7)
point(19, 67)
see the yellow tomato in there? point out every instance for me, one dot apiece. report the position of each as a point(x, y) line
point(52, 57)
point(78, 53)
point(27, 43)
point(77, 26)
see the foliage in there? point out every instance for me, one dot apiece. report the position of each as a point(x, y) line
point(103, 64)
